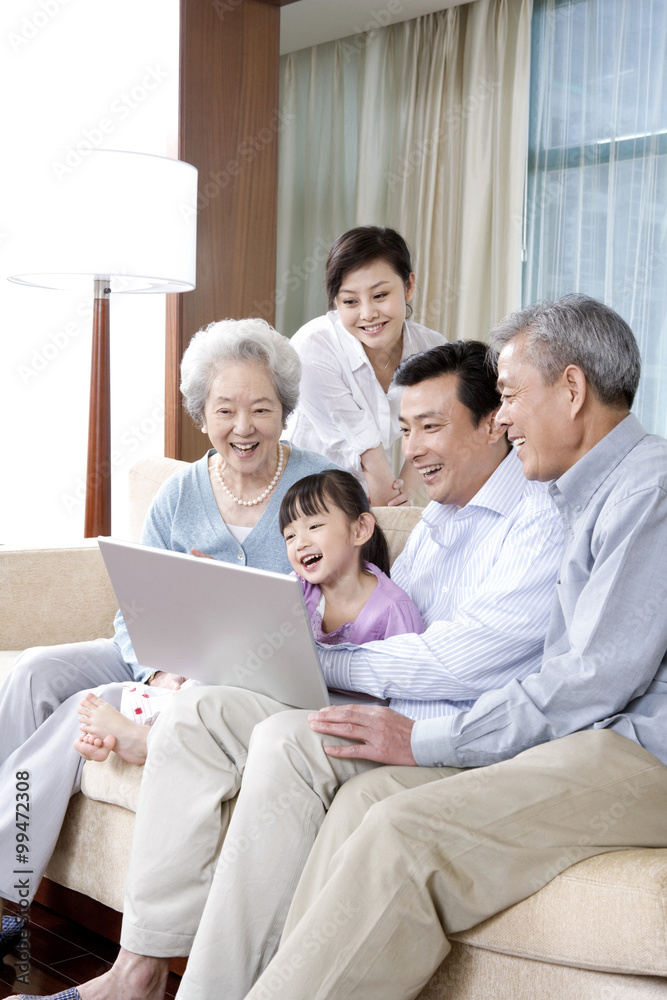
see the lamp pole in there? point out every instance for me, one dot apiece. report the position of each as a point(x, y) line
point(98, 474)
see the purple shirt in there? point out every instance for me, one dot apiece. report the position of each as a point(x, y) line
point(388, 611)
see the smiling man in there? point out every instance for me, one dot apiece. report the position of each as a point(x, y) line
point(564, 764)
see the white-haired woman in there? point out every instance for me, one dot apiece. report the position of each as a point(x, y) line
point(240, 382)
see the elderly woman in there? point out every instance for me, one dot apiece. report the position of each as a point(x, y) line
point(348, 408)
point(240, 381)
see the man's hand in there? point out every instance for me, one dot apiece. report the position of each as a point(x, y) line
point(162, 680)
point(384, 735)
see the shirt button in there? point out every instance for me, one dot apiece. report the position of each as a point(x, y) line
point(445, 589)
point(577, 506)
point(239, 555)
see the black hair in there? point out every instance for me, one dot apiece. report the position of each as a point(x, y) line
point(468, 360)
point(309, 496)
point(361, 246)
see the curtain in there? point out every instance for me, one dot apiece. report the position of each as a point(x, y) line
point(597, 192)
point(422, 126)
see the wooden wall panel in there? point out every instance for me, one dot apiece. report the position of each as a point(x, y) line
point(228, 129)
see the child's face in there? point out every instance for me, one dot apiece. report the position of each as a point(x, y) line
point(324, 547)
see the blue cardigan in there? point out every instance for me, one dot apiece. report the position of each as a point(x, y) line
point(184, 515)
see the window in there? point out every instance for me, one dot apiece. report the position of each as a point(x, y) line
point(597, 170)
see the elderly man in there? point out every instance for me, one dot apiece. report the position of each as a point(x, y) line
point(481, 568)
point(415, 853)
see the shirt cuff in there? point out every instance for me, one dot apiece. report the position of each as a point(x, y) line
point(141, 674)
point(335, 663)
point(432, 743)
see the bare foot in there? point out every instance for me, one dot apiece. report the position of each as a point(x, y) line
point(93, 748)
point(131, 977)
point(101, 721)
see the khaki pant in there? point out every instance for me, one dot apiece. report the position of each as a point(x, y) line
point(187, 892)
point(409, 855)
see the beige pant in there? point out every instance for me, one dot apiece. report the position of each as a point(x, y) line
point(406, 858)
point(187, 892)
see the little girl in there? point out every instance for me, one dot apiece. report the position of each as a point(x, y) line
point(335, 546)
point(342, 559)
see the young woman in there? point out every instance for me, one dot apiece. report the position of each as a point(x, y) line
point(347, 408)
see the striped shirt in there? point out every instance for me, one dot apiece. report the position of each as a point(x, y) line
point(483, 578)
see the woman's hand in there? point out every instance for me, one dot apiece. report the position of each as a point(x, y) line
point(171, 681)
point(383, 489)
point(202, 555)
point(401, 497)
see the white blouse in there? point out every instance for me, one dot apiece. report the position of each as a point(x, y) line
point(343, 410)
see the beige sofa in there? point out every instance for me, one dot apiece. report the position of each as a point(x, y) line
point(597, 931)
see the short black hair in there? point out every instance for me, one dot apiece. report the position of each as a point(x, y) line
point(361, 246)
point(475, 373)
point(308, 497)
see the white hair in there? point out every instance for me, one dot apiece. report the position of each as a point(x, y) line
point(232, 340)
point(577, 330)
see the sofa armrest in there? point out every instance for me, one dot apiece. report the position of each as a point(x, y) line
point(54, 595)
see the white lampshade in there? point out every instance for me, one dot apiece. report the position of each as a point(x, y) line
point(129, 217)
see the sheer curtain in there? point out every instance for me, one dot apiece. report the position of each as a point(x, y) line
point(421, 126)
point(597, 194)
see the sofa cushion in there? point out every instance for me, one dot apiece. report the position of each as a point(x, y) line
point(607, 913)
point(113, 781)
point(144, 480)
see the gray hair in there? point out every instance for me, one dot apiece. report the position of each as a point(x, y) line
point(231, 340)
point(577, 330)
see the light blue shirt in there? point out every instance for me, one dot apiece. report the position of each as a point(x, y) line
point(483, 578)
point(605, 659)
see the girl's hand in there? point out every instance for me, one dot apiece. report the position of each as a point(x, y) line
point(202, 555)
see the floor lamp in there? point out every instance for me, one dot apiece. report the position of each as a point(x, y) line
point(127, 222)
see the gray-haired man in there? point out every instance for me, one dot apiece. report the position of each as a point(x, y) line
point(415, 853)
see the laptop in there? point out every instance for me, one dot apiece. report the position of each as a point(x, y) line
point(217, 622)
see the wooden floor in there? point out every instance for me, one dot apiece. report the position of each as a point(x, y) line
point(62, 954)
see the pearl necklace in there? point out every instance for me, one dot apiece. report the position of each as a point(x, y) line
point(262, 496)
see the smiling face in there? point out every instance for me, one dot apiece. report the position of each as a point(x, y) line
point(371, 304)
point(538, 417)
point(243, 419)
point(453, 457)
point(324, 547)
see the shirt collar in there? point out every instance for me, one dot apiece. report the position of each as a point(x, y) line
point(501, 493)
point(579, 483)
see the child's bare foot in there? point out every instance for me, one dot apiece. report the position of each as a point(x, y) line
point(93, 748)
point(101, 721)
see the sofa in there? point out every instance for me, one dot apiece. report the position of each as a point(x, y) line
point(598, 930)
